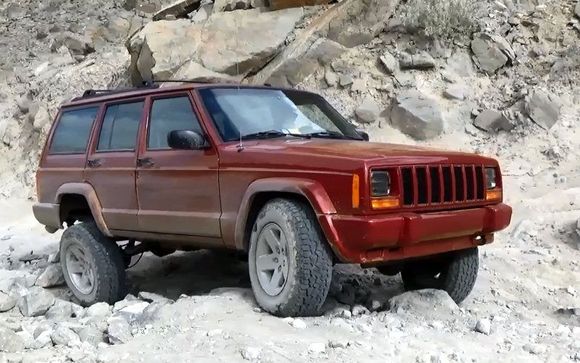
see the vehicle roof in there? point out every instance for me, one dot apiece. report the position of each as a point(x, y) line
point(146, 91)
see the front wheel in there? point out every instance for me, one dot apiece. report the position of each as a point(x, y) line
point(289, 262)
point(455, 272)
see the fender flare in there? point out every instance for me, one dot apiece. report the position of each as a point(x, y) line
point(87, 191)
point(312, 190)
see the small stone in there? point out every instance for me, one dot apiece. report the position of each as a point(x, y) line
point(375, 305)
point(98, 310)
point(51, 276)
point(60, 310)
point(390, 62)
point(43, 340)
point(152, 297)
point(298, 324)
point(35, 302)
point(417, 115)
point(251, 353)
point(317, 348)
point(359, 310)
point(571, 291)
point(7, 302)
point(338, 344)
point(92, 335)
point(368, 111)
point(330, 78)
point(345, 80)
point(133, 311)
point(118, 331)
point(10, 342)
point(63, 335)
point(483, 326)
point(535, 348)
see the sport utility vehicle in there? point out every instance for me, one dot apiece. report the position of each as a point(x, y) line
point(276, 173)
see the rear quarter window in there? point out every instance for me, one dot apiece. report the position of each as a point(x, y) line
point(72, 132)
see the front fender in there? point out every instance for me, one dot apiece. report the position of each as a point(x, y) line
point(312, 190)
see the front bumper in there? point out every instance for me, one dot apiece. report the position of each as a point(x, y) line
point(375, 239)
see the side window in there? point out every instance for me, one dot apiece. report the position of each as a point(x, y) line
point(71, 135)
point(170, 114)
point(120, 126)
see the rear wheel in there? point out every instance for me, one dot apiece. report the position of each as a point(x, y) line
point(290, 264)
point(93, 265)
point(455, 273)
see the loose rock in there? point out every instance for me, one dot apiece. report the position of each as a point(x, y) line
point(63, 335)
point(543, 108)
point(51, 276)
point(390, 62)
point(456, 92)
point(10, 341)
point(421, 60)
point(492, 121)
point(178, 9)
point(7, 302)
point(491, 52)
point(98, 310)
point(317, 348)
point(251, 353)
point(483, 326)
point(417, 115)
point(118, 331)
point(368, 111)
point(424, 302)
point(36, 302)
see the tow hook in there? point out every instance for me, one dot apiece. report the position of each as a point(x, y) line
point(479, 239)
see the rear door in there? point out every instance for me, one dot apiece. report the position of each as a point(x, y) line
point(111, 163)
point(178, 190)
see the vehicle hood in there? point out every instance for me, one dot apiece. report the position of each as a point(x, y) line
point(370, 152)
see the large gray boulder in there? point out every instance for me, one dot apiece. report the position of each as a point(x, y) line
point(491, 52)
point(35, 302)
point(226, 43)
point(10, 342)
point(417, 115)
point(543, 108)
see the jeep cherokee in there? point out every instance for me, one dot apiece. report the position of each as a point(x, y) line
point(275, 173)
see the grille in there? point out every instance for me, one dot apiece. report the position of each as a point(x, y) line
point(433, 185)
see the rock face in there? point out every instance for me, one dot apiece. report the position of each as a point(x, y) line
point(225, 43)
point(492, 121)
point(543, 108)
point(51, 276)
point(36, 302)
point(10, 342)
point(417, 115)
point(491, 52)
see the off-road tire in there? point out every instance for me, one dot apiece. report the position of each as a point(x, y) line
point(457, 273)
point(309, 260)
point(107, 261)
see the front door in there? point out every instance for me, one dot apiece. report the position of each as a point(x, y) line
point(177, 190)
point(111, 163)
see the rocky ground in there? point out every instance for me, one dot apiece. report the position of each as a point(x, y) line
point(506, 85)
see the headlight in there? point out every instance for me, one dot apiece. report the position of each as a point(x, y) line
point(490, 177)
point(380, 183)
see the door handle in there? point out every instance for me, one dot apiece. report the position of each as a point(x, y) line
point(94, 163)
point(145, 162)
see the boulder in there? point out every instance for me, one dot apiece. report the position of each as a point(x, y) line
point(492, 121)
point(390, 62)
point(543, 108)
point(421, 60)
point(7, 302)
point(225, 43)
point(10, 342)
point(178, 9)
point(118, 331)
point(51, 276)
point(368, 111)
point(35, 302)
point(491, 52)
point(417, 115)
point(304, 62)
point(63, 335)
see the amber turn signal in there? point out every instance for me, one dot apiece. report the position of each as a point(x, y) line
point(493, 194)
point(355, 191)
point(385, 203)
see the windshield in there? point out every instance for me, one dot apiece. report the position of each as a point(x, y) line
point(267, 113)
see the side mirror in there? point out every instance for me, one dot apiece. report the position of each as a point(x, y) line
point(363, 134)
point(186, 140)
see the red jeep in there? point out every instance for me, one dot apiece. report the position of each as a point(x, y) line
point(276, 173)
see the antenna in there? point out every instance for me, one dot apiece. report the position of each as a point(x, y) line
point(241, 144)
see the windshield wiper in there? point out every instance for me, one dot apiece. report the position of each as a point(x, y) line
point(330, 135)
point(270, 134)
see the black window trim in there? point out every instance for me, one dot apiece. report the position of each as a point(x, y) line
point(167, 96)
point(57, 124)
point(106, 105)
